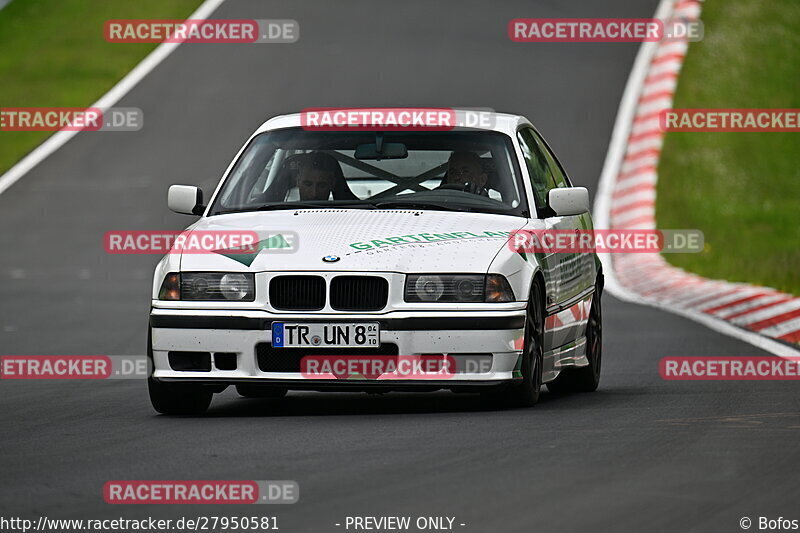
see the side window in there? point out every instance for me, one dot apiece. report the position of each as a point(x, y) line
point(558, 174)
point(538, 167)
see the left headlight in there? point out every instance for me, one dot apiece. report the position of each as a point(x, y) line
point(455, 288)
point(208, 286)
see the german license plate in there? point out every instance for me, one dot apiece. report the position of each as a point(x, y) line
point(322, 335)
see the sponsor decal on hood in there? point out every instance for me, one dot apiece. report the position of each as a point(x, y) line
point(246, 255)
point(427, 237)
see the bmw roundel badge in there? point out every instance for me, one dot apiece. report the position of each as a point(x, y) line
point(331, 258)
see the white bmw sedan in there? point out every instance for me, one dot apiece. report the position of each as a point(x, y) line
point(384, 260)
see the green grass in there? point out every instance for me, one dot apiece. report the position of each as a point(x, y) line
point(741, 189)
point(53, 54)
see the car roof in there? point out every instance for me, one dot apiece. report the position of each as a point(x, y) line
point(490, 120)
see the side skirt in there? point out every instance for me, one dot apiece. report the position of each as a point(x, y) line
point(569, 355)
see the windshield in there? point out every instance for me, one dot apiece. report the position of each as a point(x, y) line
point(467, 170)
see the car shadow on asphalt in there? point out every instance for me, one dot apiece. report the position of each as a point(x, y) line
point(360, 404)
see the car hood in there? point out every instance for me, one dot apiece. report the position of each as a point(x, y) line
point(358, 240)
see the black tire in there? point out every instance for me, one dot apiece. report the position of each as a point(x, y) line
point(175, 398)
point(179, 398)
point(587, 378)
point(248, 390)
point(526, 393)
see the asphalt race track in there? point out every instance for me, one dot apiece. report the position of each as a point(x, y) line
point(640, 454)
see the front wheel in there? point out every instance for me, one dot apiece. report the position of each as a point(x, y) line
point(175, 398)
point(178, 398)
point(526, 394)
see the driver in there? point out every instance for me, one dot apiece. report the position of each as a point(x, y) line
point(465, 172)
point(316, 177)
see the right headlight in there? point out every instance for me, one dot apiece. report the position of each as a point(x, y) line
point(457, 288)
point(208, 286)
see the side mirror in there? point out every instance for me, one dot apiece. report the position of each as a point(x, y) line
point(568, 201)
point(185, 199)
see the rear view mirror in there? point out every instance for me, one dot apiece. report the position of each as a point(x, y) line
point(185, 199)
point(569, 201)
point(387, 151)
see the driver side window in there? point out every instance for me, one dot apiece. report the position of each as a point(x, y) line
point(539, 171)
point(559, 177)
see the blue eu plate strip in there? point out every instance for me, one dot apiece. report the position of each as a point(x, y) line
point(277, 335)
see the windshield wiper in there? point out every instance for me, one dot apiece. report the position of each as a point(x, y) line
point(297, 206)
point(289, 205)
point(418, 205)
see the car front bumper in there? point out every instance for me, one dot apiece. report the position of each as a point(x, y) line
point(486, 346)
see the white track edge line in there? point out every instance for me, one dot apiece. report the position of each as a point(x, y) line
point(58, 139)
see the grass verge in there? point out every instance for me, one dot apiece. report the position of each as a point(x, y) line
point(741, 189)
point(53, 54)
